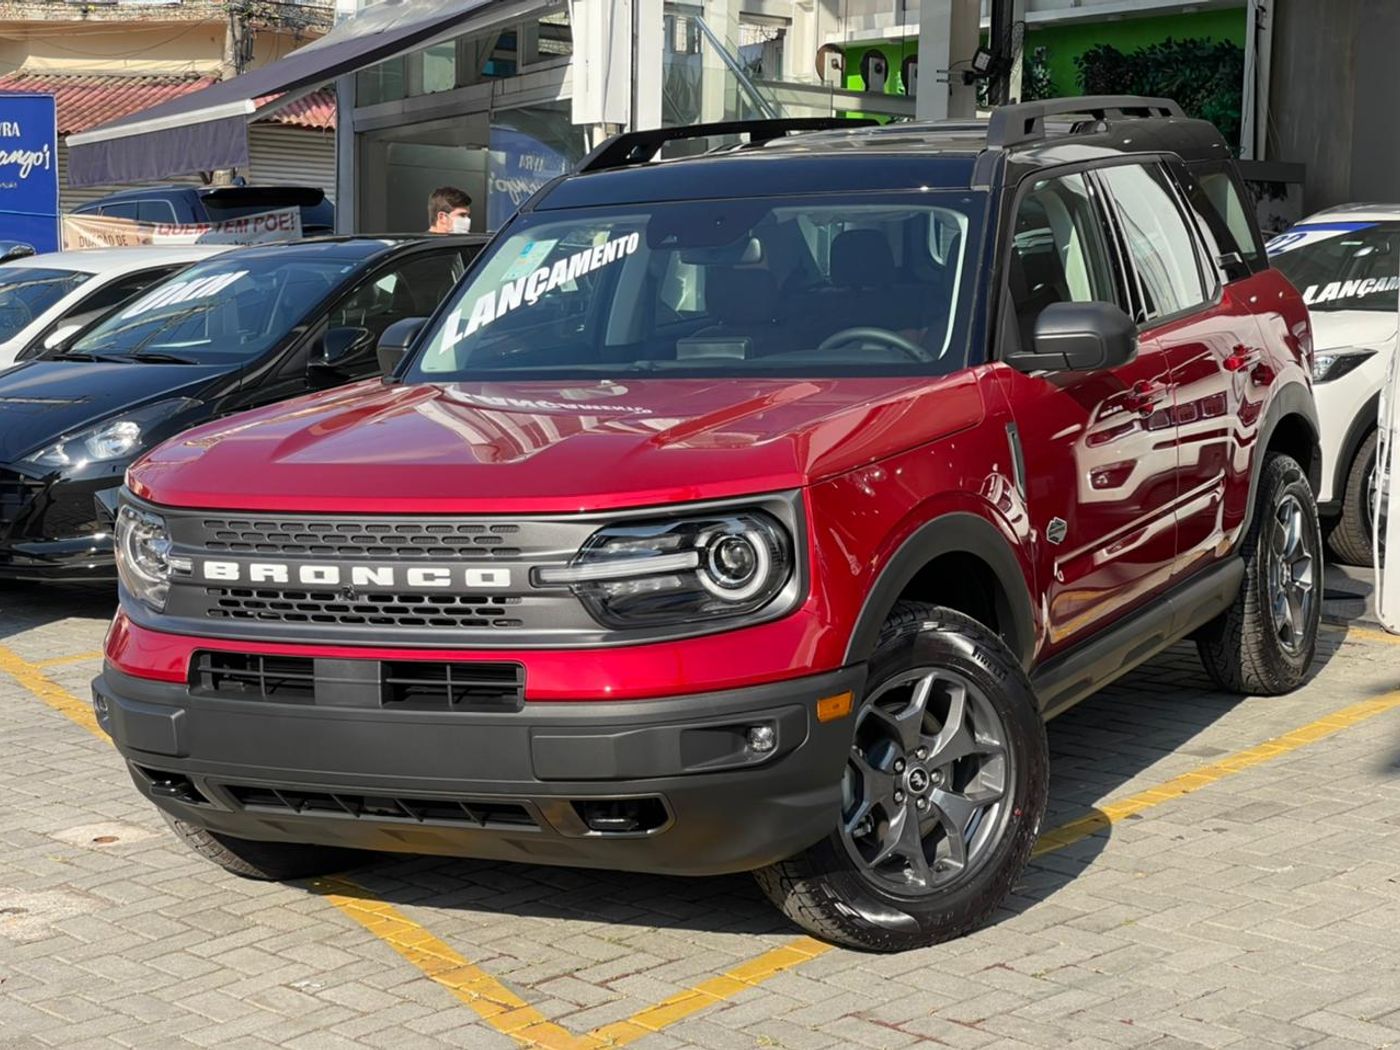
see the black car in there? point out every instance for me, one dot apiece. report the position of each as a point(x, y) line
point(194, 205)
point(245, 328)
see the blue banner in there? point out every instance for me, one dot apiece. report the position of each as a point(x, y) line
point(519, 165)
point(29, 171)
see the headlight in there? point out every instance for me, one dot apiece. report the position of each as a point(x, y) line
point(144, 561)
point(117, 439)
point(663, 573)
point(1333, 364)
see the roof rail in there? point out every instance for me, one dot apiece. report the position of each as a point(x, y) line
point(639, 147)
point(1025, 121)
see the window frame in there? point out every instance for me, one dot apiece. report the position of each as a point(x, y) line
point(1212, 286)
point(1227, 168)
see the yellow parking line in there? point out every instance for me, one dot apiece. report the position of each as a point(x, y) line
point(512, 1016)
point(1368, 635)
point(32, 677)
point(1204, 776)
point(76, 658)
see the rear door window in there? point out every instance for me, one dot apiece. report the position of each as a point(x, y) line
point(1160, 244)
point(155, 211)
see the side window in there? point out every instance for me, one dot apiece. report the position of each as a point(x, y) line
point(120, 210)
point(1159, 242)
point(1059, 251)
point(155, 211)
point(412, 289)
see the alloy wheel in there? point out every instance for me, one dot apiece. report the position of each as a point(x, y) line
point(925, 791)
point(1291, 565)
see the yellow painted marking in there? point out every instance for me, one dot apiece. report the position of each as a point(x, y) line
point(76, 658)
point(1365, 634)
point(32, 677)
point(512, 1016)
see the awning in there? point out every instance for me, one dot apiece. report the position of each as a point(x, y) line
point(206, 130)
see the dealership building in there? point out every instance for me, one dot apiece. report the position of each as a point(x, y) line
point(498, 96)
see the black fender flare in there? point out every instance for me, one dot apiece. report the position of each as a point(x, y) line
point(955, 533)
point(1362, 424)
point(1293, 399)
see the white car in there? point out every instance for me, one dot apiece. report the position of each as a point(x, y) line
point(41, 296)
point(1346, 262)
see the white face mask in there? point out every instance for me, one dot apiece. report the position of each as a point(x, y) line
point(461, 224)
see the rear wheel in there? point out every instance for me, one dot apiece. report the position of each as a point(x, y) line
point(1351, 536)
point(1265, 642)
point(270, 861)
point(942, 797)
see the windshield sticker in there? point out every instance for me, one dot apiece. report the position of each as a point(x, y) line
point(183, 291)
point(1312, 233)
point(529, 289)
point(529, 259)
point(1326, 293)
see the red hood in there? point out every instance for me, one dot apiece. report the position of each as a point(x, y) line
point(548, 446)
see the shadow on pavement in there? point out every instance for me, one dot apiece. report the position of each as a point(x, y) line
point(26, 605)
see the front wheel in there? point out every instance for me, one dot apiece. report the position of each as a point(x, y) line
point(942, 796)
point(1265, 642)
point(1352, 536)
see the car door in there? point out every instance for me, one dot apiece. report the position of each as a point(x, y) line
point(1206, 330)
point(1098, 447)
point(409, 286)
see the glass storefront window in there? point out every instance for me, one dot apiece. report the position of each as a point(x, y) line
point(383, 82)
point(439, 67)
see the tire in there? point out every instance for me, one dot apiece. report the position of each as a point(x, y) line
point(1351, 537)
point(266, 861)
point(1246, 649)
point(839, 889)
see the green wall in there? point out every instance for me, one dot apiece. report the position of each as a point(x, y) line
point(1065, 41)
point(1068, 39)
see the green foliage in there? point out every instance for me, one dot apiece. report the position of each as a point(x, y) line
point(1204, 76)
point(1036, 82)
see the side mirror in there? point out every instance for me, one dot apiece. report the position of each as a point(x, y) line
point(1078, 337)
point(394, 343)
point(339, 349)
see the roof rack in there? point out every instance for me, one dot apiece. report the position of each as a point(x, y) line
point(1025, 121)
point(639, 147)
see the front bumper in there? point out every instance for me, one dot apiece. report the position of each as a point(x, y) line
point(551, 783)
point(56, 528)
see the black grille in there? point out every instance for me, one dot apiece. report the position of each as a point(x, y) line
point(481, 813)
point(361, 540)
point(249, 676)
point(373, 610)
point(404, 685)
point(421, 685)
point(15, 493)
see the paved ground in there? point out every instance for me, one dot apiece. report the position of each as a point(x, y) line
point(1203, 890)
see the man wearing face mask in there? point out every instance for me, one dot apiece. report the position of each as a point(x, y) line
point(449, 211)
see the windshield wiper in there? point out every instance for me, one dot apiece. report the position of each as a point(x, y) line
point(82, 355)
point(161, 358)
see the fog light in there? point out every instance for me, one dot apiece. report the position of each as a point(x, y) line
point(99, 708)
point(762, 739)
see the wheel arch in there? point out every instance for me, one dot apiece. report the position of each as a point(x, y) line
point(1290, 426)
point(959, 560)
point(1365, 421)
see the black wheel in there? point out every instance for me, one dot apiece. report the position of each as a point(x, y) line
point(1265, 642)
point(942, 797)
point(269, 861)
point(1351, 537)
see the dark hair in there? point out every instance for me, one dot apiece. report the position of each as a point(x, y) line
point(448, 199)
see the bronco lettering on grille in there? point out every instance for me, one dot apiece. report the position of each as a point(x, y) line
point(417, 576)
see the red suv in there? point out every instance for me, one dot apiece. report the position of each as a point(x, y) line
point(749, 511)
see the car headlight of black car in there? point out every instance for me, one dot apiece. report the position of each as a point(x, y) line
point(666, 572)
point(144, 561)
point(110, 441)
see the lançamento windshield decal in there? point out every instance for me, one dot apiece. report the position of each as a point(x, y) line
point(183, 291)
point(1325, 293)
point(495, 303)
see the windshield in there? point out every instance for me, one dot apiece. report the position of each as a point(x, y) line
point(230, 309)
point(850, 285)
point(1341, 265)
point(26, 292)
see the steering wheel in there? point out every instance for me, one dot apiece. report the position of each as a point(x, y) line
point(877, 335)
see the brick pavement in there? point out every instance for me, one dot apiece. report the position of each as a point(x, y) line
point(1260, 911)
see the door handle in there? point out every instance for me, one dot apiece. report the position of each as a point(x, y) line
point(1242, 357)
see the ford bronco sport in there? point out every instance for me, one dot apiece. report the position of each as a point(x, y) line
point(749, 511)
